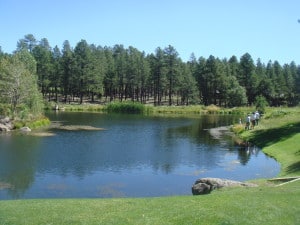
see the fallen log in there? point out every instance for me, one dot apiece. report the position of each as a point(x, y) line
point(288, 182)
point(283, 178)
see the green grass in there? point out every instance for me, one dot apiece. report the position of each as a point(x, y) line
point(265, 205)
point(278, 134)
point(32, 124)
point(287, 151)
point(127, 107)
point(196, 110)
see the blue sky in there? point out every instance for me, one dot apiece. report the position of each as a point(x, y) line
point(266, 29)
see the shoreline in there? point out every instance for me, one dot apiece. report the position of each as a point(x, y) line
point(267, 204)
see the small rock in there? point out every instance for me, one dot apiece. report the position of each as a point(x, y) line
point(25, 129)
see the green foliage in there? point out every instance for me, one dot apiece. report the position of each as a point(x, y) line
point(18, 85)
point(261, 104)
point(40, 122)
point(19, 124)
point(32, 124)
point(125, 107)
point(236, 95)
point(5, 110)
point(93, 73)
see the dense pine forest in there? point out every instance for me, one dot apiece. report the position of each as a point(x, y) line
point(88, 72)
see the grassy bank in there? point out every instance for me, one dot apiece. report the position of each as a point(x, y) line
point(136, 107)
point(279, 135)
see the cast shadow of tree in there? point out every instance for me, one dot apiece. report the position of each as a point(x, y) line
point(264, 138)
point(294, 168)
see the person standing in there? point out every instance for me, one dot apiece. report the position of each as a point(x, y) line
point(252, 118)
point(257, 117)
point(247, 126)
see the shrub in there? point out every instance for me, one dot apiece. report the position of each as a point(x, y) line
point(261, 103)
point(5, 110)
point(126, 107)
point(212, 109)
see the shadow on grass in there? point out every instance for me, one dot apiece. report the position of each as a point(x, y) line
point(294, 168)
point(263, 138)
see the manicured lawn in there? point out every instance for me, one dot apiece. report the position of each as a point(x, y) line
point(288, 151)
point(264, 205)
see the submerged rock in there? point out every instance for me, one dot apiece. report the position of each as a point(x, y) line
point(206, 185)
point(78, 127)
point(219, 132)
point(42, 134)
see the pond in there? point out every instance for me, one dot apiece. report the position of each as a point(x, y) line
point(132, 156)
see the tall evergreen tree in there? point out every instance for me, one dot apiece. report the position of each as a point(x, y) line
point(43, 56)
point(171, 63)
point(157, 64)
point(279, 84)
point(120, 58)
point(56, 76)
point(247, 77)
point(200, 78)
point(110, 78)
point(82, 71)
point(187, 85)
point(27, 43)
point(67, 65)
point(97, 70)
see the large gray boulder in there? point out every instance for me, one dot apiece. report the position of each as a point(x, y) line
point(4, 128)
point(206, 185)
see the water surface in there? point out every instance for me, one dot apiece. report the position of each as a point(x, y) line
point(134, 156)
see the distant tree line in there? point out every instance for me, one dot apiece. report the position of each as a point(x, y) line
point(89, 72)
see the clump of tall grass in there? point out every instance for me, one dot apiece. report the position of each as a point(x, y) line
point(127, 107)
point(32, 124)
point(40, 122)
point(212, 109)
point(238, 128)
